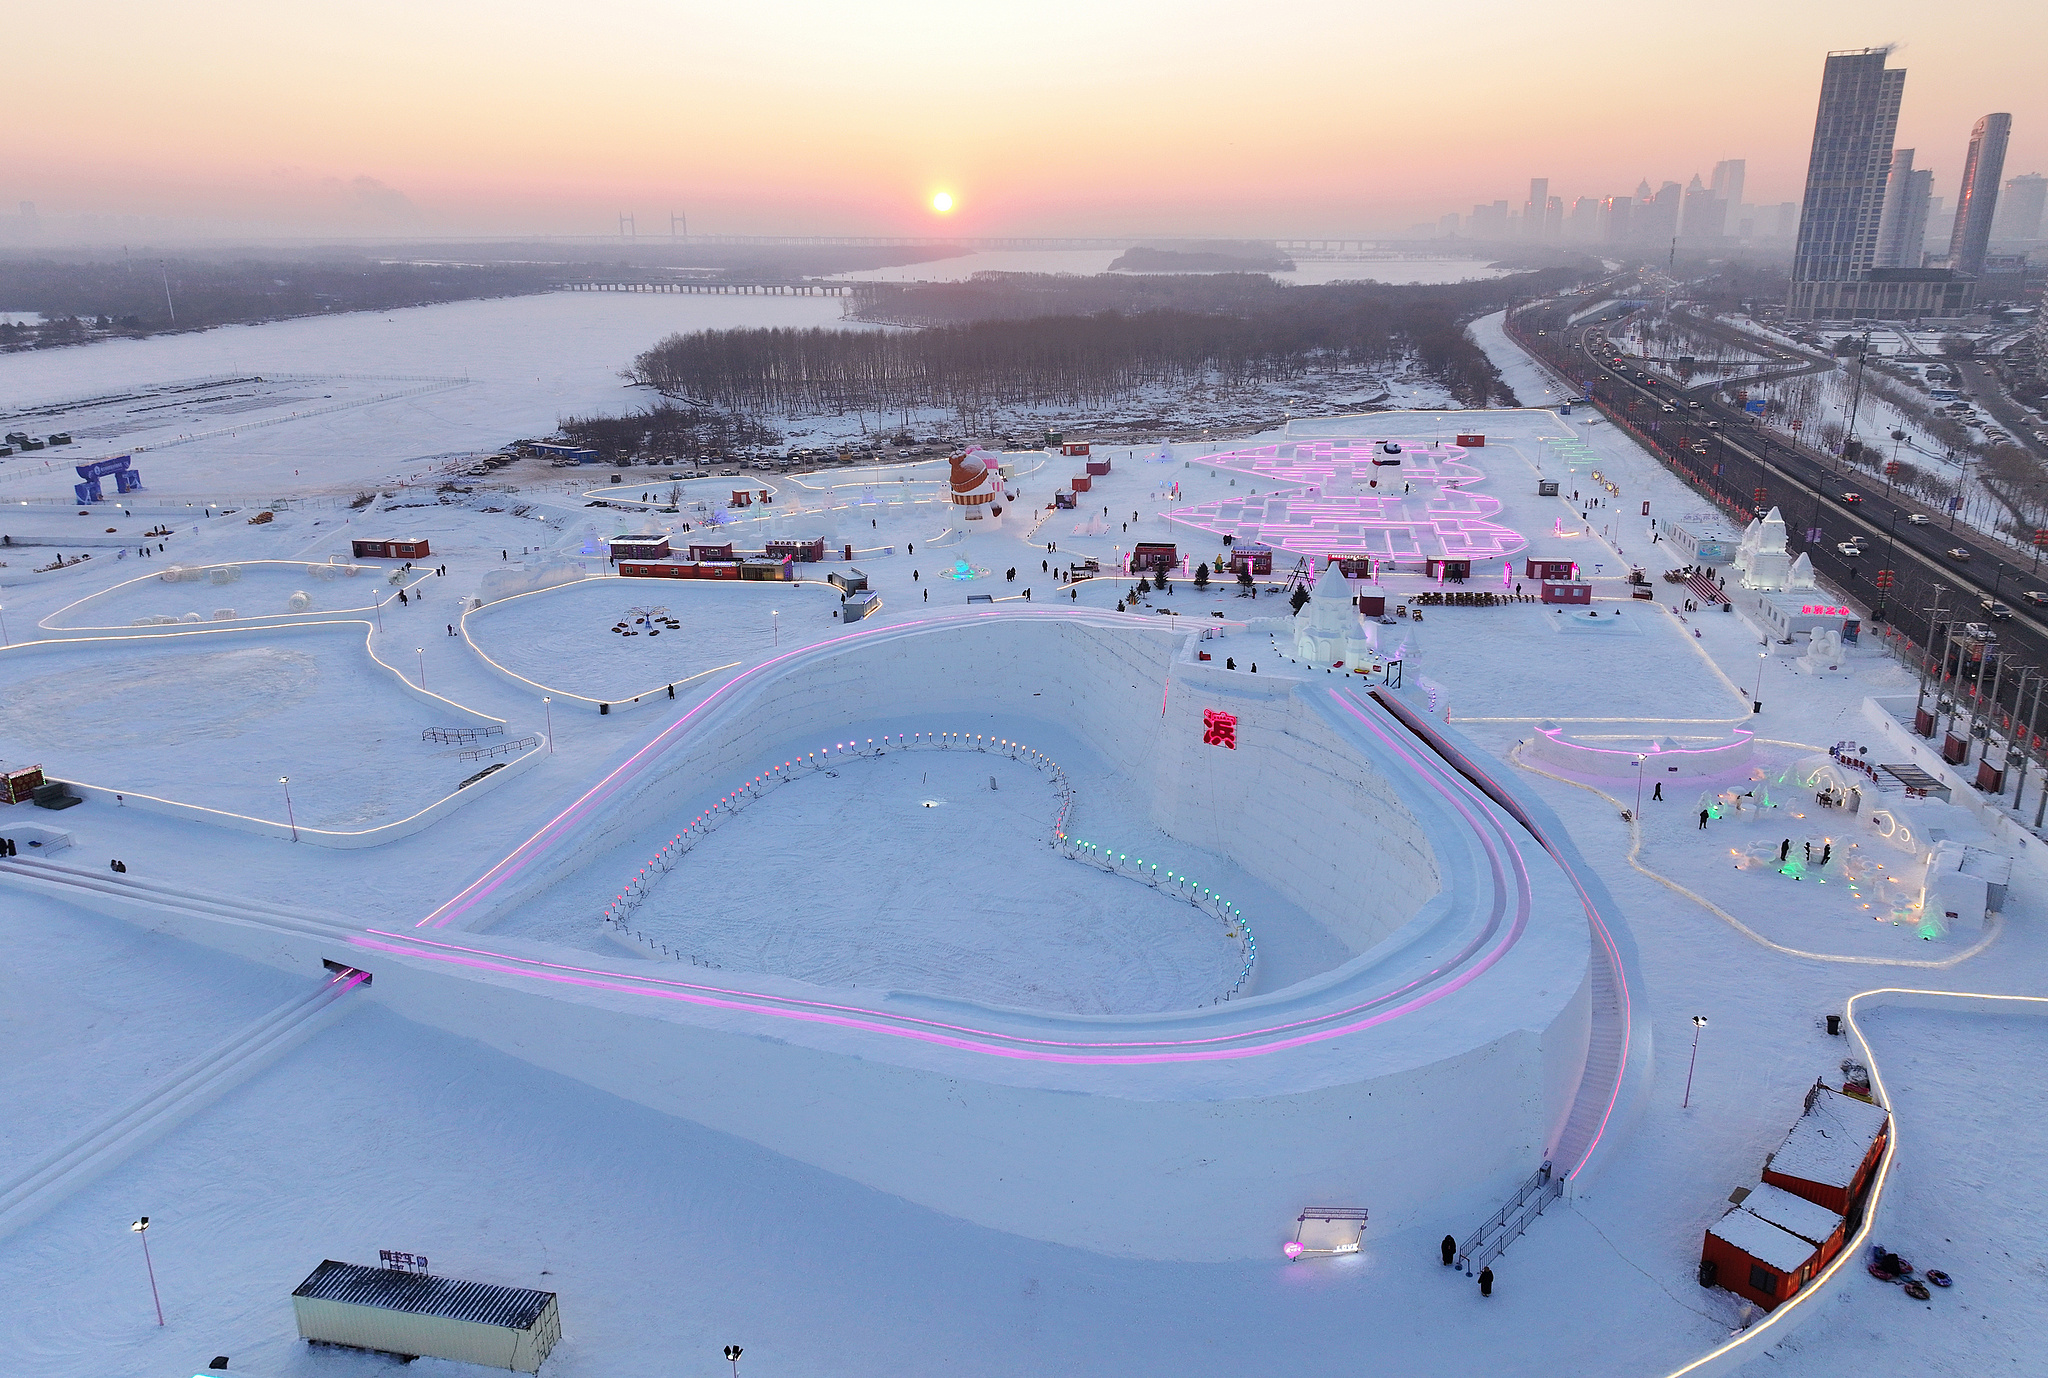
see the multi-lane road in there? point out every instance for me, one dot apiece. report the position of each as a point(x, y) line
point(1722, 450)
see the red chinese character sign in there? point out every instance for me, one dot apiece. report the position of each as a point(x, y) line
point(1219, 728)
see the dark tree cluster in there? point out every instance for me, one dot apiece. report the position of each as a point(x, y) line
point(666, 431)
point(1041, 340)
point(89, 300)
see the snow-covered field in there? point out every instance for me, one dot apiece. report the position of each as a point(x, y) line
point(214, 718)
point(380, 1132)
point(564, 638)
point(918, 835)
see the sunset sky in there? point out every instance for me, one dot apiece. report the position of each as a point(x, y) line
point(1053, 117)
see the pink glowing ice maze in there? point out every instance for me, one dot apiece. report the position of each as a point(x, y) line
point(1350, 498)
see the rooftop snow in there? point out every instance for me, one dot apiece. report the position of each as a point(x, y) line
point(1796, 1214)
point(1831, 1140)
point(1762, 1240)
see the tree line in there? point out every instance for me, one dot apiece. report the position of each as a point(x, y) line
point(1035, 340)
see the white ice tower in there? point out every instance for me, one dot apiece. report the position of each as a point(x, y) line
point(1765, 564)
point(1329, 630)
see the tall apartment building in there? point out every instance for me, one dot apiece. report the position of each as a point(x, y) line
point(1706, 215)
point(2020, 207)
point(1902, 232)
point(1535, 209)
point(1835, 276)
point(1584, 225)
point(1977, 196)
point(1727, 185)
point(1616, 215)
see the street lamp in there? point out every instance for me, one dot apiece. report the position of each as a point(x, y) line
point(732, 1356)
point(548, 706)
point(422, 652)
point(1699, 1021)
point(290, 817)
point(141, 1227)
point(1756, 704)
point(1639, 787)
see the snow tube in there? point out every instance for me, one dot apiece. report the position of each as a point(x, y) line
point(1939, 1278)
point(1917, 1290)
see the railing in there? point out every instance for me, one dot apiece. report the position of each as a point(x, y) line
point(511, 748)
point(460, 734)
point(1506, 1225)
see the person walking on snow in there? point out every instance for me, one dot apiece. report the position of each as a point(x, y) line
point(1449, 1249)
point(1703, 820)
point(1658, 793)
point(1486, 1282)
point(1784, 848)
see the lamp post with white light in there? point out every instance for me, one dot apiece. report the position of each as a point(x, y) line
point(548, 706)
point(421, 651)
point(1756, 703)
point(141, 1227)
point(1699, 1022)
point(290, 817)
point(1639, 786)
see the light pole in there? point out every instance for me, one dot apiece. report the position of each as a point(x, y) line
point(422, 653)
point(1639, 787)
point(1756, 703)
point(775, 625)
point(290, 817)
point(1699, 1021)
point(732, 1356)
point(141, 1227)
point(548, 706)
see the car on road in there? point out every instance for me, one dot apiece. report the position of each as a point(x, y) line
point(1995, 610)
point(1713, 425)
point(1849, 499)
point(1693, 405)
point(2037, 598)
point(1958, 553)
point(1850, 549)
point(1917, 519)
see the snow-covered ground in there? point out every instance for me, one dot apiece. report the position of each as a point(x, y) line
point(382, 1133)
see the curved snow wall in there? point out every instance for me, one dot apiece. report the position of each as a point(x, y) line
point(1421, 1079)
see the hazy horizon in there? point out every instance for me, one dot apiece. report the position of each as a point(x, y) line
point(1046, 120)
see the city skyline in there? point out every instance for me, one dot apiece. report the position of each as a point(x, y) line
point(795, 118)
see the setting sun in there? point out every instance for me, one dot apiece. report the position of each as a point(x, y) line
point(943, 202)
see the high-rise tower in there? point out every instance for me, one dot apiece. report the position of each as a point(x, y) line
point(1835, 273)
point(1903, 229)
point(1536, 209)
point(2020, 207)
point(1977, 196)
point(1845, 173)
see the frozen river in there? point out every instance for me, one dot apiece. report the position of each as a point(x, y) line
point(529, 361)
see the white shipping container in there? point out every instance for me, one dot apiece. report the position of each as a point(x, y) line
point(407, 1313)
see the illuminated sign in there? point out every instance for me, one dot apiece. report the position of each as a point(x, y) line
point(1823, 610)
point(1219, 729)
